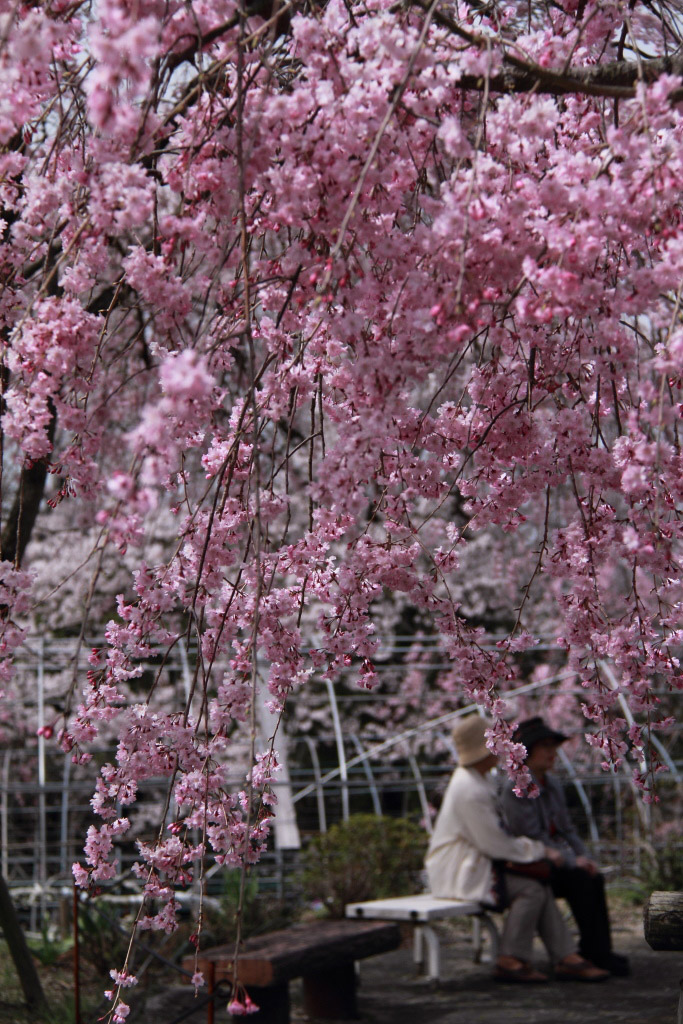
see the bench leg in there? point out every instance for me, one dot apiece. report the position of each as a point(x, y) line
point(431, 941)
point(426, 937)
point(418, 947)
point(485, 921)
point(476, 940)
point(272, 1002)
point(331, 994)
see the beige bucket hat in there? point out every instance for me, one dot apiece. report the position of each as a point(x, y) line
point(469, 735)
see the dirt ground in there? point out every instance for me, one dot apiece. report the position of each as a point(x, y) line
point(391, 992)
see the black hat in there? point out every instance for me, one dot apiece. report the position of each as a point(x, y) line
point(533, 730)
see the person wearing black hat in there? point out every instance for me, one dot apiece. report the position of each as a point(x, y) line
point(546, 817)
point(468, 838)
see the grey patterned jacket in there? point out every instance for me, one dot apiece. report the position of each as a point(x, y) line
point(545, 817)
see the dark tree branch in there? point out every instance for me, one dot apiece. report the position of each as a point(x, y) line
point(19, 951)
point(616, 79)
point(25, 507)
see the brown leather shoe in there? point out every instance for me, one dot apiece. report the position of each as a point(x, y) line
point(522, 973)
point(580, 970)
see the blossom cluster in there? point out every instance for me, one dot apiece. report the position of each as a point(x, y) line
point(362, 315)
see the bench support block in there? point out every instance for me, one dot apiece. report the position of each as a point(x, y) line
point(331, 994)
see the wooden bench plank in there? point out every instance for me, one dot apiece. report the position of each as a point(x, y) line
point(299, 950)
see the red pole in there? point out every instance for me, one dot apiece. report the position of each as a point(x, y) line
point(77, 988)
point(212, 985)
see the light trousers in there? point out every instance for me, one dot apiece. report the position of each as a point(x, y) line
point(533, 911)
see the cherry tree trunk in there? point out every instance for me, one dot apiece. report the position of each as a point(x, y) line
point(663, 925)
point(663, 921)
point(19, 951)
point(15, 537)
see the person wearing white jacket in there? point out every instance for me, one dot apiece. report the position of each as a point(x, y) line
point(468, 837)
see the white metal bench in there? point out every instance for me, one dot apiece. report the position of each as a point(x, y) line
point(422, 909)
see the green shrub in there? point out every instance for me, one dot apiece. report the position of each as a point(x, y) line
point(261, 911)
point(366, 857)
point(663, 865)
point(48, 949)
point(103, 935)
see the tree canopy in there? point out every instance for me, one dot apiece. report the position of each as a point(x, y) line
point(307, 308)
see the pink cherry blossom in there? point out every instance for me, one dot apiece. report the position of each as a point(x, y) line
point(322, 327)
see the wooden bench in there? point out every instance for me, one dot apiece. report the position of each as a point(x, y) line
point(419, 911)
point(322, 953)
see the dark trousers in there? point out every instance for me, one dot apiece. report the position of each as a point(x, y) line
point(585, 894)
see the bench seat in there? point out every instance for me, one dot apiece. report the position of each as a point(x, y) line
point(322, 953)
point(422, 909)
